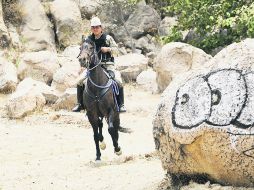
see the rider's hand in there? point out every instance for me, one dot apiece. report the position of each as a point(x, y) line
point(81, 70)
point(105, 49)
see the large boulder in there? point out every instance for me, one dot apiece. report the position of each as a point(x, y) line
point(68, 22)
point(131, 65)
point(67, 100)
point(234, 54)
point(176, 58)
point(203, 125)
point(166, 24)
point(40, 66)
point(66, 76)
point(71, 51)
point(89, 8)
point(146, 44)
point(144, 20)
point(8, 76)
point(26, 99)
point(147, 80)
point(36, 30)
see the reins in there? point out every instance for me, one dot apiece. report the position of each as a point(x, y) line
point(90, 69)
point(109, 83)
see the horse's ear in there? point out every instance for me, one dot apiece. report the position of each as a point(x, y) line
point(83, 38)
point(87, 40)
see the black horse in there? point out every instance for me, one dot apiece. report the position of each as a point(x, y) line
point(99, 99)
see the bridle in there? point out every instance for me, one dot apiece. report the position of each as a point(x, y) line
point(95, 56)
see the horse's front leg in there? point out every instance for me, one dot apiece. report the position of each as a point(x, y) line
point(96, 140)
point(101, 138)
point(94, 122)
point(113, 124)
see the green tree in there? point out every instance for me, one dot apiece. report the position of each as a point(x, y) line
point(215, 23)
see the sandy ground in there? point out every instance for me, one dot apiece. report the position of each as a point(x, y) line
point(55, 151)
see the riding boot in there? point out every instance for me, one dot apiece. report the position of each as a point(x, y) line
point(121, 98)
point(80, 105)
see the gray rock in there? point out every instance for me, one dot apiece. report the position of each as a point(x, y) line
point(39, 65)
point(204, 122)
point(131, 65)
point(89, 8)
point(144, 20)
point(71, 51)
point(147, 80)
point(26, 99)
point(68, 22)
point(166, 24)
point(66, 76)
point(176, 58)
point(67, 100)
point(36, 32)
point(8, 76)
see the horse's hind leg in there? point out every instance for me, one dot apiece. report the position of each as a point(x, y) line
point(113, 124)
point(116, 124)
point(100, 129)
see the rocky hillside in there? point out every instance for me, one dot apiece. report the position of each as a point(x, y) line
point(36, 25)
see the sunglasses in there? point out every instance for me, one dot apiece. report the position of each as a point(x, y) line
point(95, 27)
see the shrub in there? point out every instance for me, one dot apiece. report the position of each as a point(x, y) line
point(214, 23)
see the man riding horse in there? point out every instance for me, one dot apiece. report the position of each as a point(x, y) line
point(106, 48)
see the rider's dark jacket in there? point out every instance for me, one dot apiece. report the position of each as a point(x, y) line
point(102, 42)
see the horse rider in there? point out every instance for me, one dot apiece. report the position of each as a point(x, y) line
point(106, 48)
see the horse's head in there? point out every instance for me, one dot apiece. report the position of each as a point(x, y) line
point(87, 50)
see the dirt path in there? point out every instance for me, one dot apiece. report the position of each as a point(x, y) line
point(55, 150)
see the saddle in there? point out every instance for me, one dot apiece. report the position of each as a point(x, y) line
point(106, 67)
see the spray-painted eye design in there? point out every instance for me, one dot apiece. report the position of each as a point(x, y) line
point(249, 152)
point(220, 98)
point(228, 96)
point(192, 104)
point(246, 117)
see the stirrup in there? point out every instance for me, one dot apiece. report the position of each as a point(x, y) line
point(78, 108)
point(122, 108)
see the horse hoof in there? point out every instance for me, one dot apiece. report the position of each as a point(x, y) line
point(96, 163)
point(102, 145)
point(118, 153)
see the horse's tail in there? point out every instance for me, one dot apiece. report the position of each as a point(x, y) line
point(124, 130)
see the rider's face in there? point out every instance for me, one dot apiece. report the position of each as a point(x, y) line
point(96, 30)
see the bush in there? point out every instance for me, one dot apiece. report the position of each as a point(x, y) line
point(214, 23)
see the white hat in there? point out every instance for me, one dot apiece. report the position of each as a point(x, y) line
point(95, 21)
